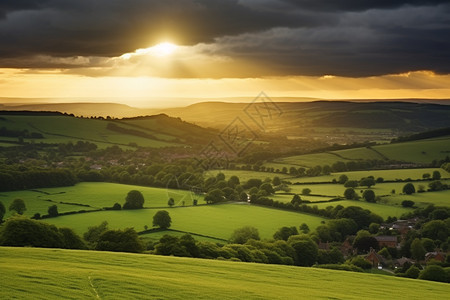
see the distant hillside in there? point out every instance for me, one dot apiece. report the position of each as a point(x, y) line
point(32, 273)
point(404, 115)
point(52, 127)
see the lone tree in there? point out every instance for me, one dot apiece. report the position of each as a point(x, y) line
point(171, 202)
point(409, 188)
point(369, 196)
point(350, 194)
point(306, 191)
point(134, 200)
point(2, 212)
point(343, 179)
point(53, 211)
point(162, 219)
point(367, 181)
point(296, 199)
point(436, 175)
point(18, 205)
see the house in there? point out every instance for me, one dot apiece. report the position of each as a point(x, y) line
point(347, 248)
point(324, 246)
point(386, 241)
point(398, 263)
point(439, 256)
point(374, 258)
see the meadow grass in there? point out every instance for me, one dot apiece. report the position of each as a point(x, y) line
point(216, 221)
point(287, 198)
point(245, 175)
point(95, 194)
point(63, 129)
point(422, 151)
point(380, 209)
point(31, 273)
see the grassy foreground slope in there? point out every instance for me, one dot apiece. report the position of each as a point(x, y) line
point(29, 273)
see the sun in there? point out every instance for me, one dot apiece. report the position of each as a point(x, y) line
point(163, 49)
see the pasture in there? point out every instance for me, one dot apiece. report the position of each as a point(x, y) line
point(422, 151)
point(64, 129)
point(216, 221)
point(245, 175)
point(95, 194)
point(380, 209)
point(107, 275)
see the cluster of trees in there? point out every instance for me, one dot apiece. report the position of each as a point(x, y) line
point(20, 133)
point(433, 186)
point(24, 232)
point(18, 178)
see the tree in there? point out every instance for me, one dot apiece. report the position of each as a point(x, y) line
point(412, 272)
point(436, 185)
point(367, 181)
point(18, 205)
point(426, 176)
point(306, 191)
point(53, 211)
point(285, 232)
point(116, 206)
point(343, 179)
point(233, 181)
point(171, 202)
point(214, 196)
point(417, 250)
point(434, 273)
point(408, 203)
point(93, 233)
point(162, 219)
point(276, 181)
point(349, 193)
point(296, 199)
point(306, 250)
point(436, 175)
point(126, 240)
point(409, 188)
point(369, 196)
point(304, 228)
point(242, 235)
point(436, 230)
point(351, 183)
point(134, 200)
point(267, 187)
point(2, 212)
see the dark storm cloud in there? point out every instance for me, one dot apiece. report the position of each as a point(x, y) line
point(303, 37)
point(359, 5)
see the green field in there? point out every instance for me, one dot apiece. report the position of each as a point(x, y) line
point(422, 151)
point(217, 221)
point(245, 175)
point(441, 198)
point(379, 209)
point(97, 195)
point(63, 129)
point(287, 198)
point(29, 273)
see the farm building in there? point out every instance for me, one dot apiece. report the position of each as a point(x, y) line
point(386, 241)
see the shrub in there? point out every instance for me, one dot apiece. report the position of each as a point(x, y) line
point(361, 263)
point(408, 203)
point(242, 235)
point(434, 273)
point(412, 272)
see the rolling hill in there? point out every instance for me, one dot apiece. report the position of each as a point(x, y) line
point(52, 127)
point(29, 273)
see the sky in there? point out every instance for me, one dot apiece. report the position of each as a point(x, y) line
point(130, 49)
